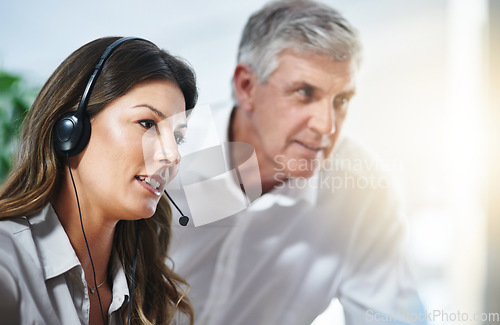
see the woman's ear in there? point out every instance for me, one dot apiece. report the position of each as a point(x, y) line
point(244, 80)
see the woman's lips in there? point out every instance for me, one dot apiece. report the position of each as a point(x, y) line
point(150, 184)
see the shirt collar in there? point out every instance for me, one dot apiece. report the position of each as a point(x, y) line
point(57, 255)
point(302, 188)
point(120, 286)
point(54, 249)
point(289, 193)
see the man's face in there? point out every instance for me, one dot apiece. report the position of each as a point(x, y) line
point(297, 114)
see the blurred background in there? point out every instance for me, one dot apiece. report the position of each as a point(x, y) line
point(427, 104)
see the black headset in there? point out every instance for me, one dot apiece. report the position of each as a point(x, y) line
point(72, 131)
point(71, 136)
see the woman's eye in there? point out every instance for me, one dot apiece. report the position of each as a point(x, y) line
point(147, 124)
point(179, 138)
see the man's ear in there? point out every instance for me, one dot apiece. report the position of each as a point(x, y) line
point(244, 80)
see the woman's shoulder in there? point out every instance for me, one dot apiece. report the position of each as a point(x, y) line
point(15, 239)
point(9, 251)
point(23, 297)
point(12, 226)
point(19, 228)
point(11, 229)
point(17, 247)
point(10, 297)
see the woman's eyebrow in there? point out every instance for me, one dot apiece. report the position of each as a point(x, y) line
point(154, 110)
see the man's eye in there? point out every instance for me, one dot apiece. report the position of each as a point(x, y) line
point(147, 124)
point(305, 91)
point(340, 104)
point(179, 138)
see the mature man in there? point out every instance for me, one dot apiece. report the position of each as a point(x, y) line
point(328, 224)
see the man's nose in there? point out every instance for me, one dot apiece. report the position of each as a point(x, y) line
point(322, 118)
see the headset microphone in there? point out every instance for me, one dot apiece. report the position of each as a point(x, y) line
point(183, 220)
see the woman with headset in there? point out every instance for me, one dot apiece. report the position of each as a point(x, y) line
point(84, 224)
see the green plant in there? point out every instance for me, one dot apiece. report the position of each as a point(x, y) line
point(15, 100)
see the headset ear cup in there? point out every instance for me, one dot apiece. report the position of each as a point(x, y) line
point(84, 137)
point(71, 134)
point(72, 131)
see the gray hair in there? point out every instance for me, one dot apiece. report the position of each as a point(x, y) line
point(301, 26)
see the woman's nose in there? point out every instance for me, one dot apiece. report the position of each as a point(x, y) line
point(167, 152)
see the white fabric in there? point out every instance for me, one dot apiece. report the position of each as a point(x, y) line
point(285, 258)
point(41, 278)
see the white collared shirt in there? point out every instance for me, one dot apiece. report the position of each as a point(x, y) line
point(41, 278)
point(282, 260)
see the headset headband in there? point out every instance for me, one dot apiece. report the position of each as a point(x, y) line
point(97, 70)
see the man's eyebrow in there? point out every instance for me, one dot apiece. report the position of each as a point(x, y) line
point(313, 88)
point(293, 86)
point(154, 110)
point(349, 93)
point(302, 84)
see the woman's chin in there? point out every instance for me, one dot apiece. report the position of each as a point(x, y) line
point(143, 211)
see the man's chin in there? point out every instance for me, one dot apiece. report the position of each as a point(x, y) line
point(302, 174)
point(303, 170)
point(296, 167)
point(304, 167)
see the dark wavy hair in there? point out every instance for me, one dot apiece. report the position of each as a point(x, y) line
point(159, 293)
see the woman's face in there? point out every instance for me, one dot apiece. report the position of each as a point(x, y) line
point(132, 153)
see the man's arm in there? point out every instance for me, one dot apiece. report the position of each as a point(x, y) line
point(379, 287)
